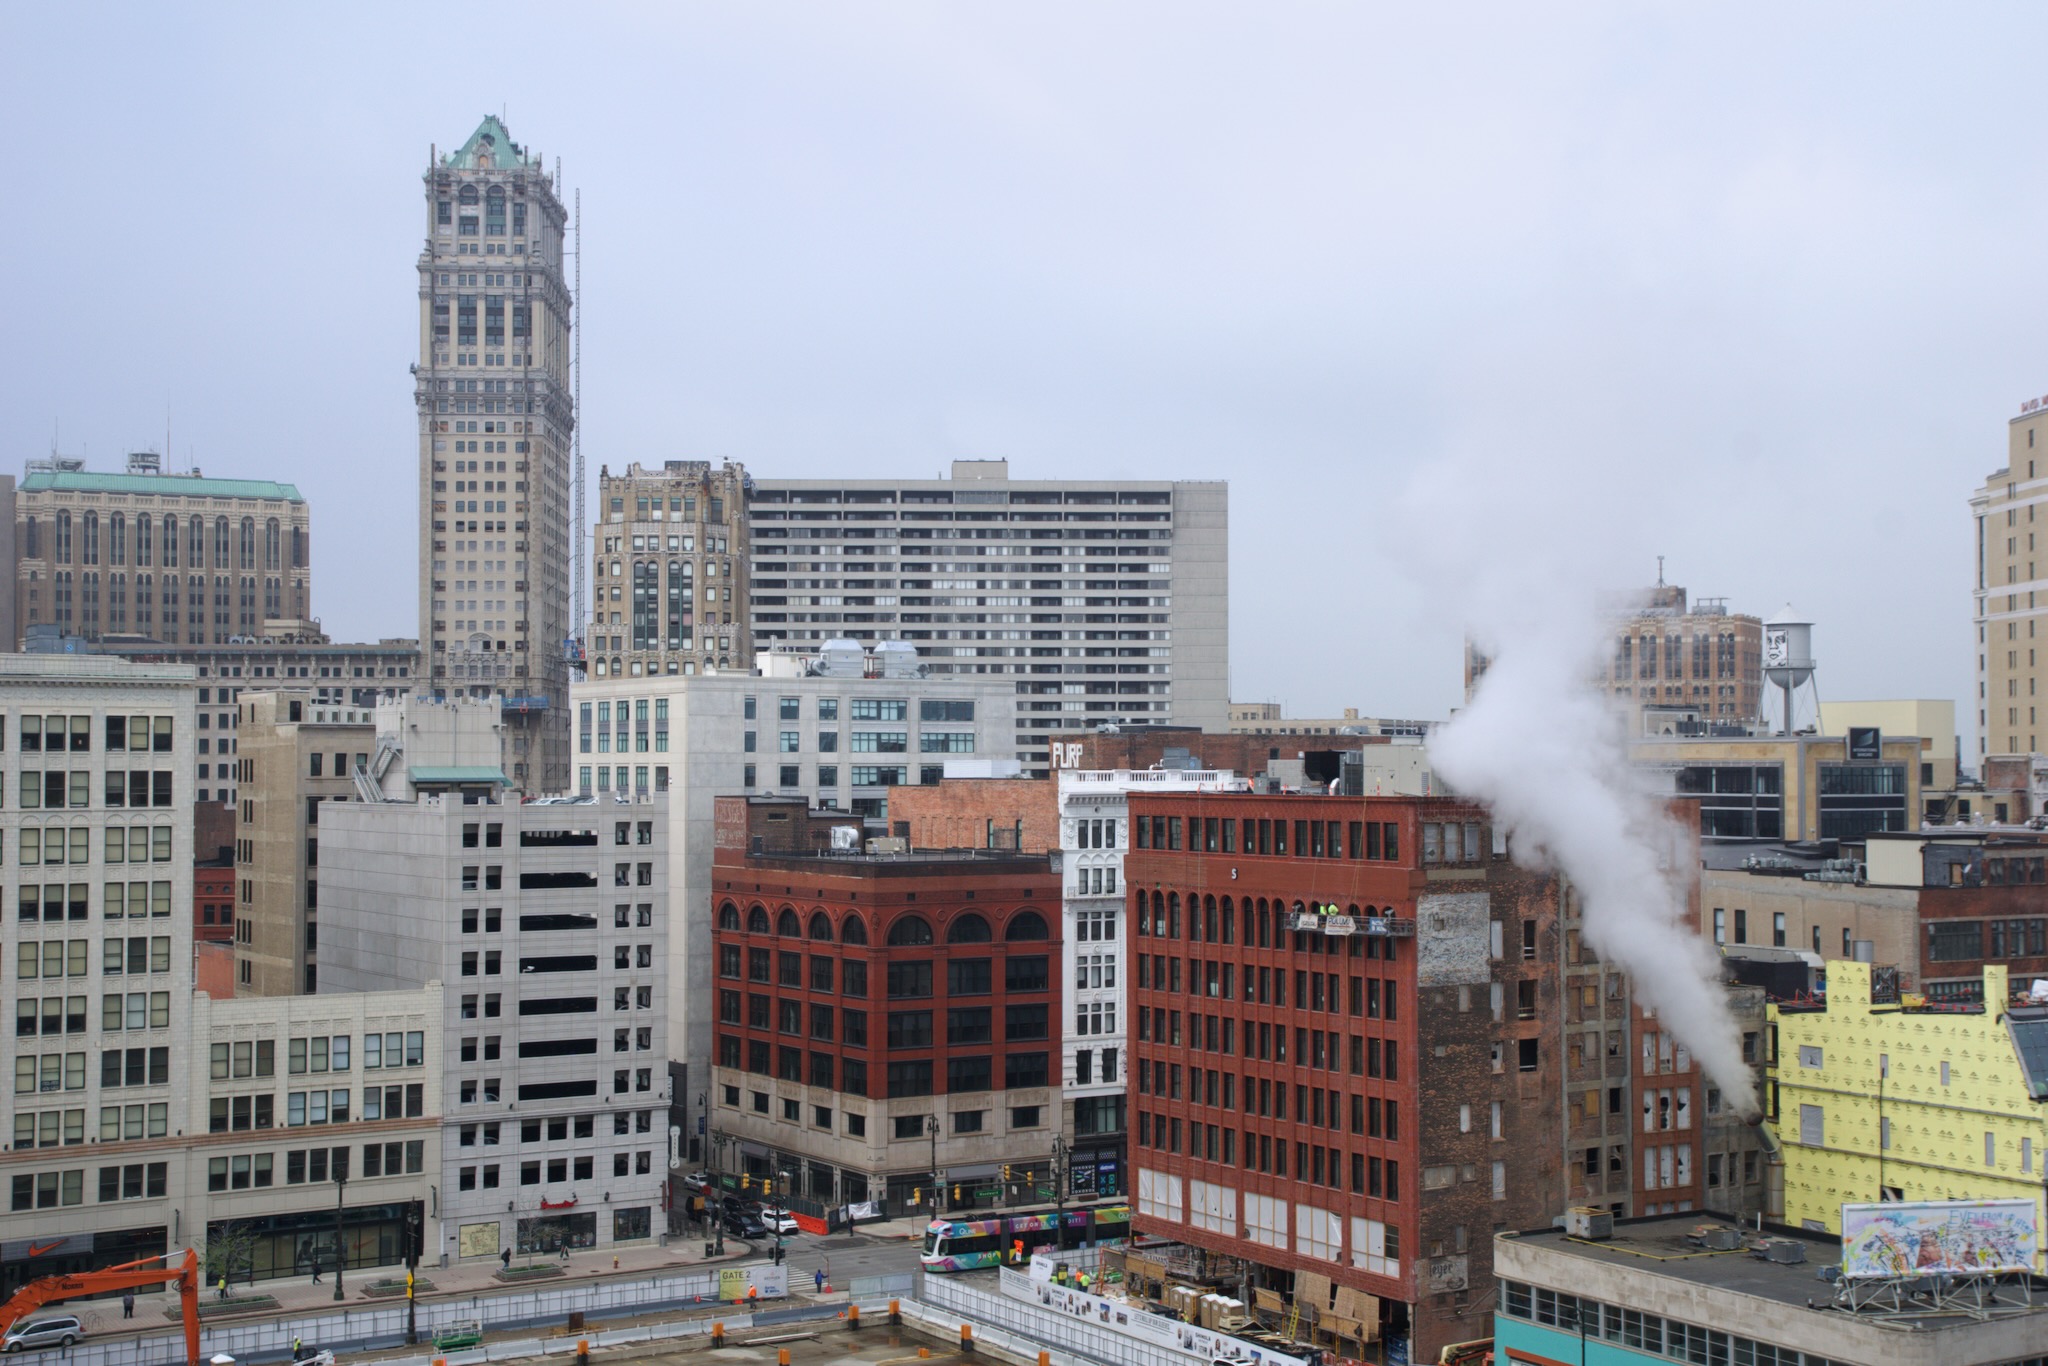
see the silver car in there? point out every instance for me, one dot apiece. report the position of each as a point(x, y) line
point(61, 1331)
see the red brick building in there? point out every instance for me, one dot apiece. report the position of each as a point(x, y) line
point(978, 813)
point(213, 902)
point(1369, 1095)
point(886, 1024)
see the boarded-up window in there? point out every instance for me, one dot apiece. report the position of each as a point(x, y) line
point(1813, 1126)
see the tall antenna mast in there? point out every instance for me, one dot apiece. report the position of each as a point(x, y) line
point(576, 397)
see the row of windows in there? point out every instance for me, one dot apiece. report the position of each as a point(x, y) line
point(66, 1071)
point(910, 930)
point(905, 1029)
point(51, 1190)
point(492, 1003)
point(73, 734)
point(66, 1128)
point(555, 1170)
point(1214, 920)
point(234, 1113)
point(1379, 840)
point(1377, 1178)
point(58, 790)
point(230, 540)
point(911, 980)
point(67, 1014)
point(907, 1078)
point(1370, 998)
point(1645, 1332)
point(51, 902)
point(558, 1128)
point(70, 957)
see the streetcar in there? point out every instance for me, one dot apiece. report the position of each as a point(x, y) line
point(971, 1244)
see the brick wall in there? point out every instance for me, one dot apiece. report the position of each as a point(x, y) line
point(960, 813)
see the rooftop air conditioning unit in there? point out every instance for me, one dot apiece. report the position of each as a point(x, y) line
point(1720, 1238)
point(1785, 1251)
point(1589, 1221)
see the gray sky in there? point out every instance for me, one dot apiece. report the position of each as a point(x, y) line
point(1757, 283)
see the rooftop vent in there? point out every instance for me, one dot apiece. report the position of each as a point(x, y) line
point(1589, 1221)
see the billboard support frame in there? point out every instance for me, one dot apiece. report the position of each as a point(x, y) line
point(1911, 1258)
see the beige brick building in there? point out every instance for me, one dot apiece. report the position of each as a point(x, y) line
point(297, 750)
point(670, 555)
point(496, 413)
point(2007, 588)
point(177, 558)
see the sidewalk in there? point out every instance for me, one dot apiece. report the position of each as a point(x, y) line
point(299, 1295)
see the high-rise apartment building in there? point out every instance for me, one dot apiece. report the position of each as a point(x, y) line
point(669, 565)
point(175, 557)
point(496, 422)
point(298, 750)
point(545, 924)
point(1101, 600)
point(2006, 593)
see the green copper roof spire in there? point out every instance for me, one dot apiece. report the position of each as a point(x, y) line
point(489, 147)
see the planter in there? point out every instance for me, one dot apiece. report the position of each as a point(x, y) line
point(539, 1271)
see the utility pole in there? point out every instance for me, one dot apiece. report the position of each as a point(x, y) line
point(412, 1266)
point(931, 1128)
point(340, 1189)
point(1059, 1190)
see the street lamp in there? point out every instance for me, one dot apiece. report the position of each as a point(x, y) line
point(340, 1187)
point(931, 1128)
point(412, 1263)
point(1059, 1189)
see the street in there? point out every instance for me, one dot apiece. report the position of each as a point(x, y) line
point(843, 1256)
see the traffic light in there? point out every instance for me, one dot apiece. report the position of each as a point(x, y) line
point(1006, 1171)
point(956, 1194)
point(746, 1181)
point(917, 1195)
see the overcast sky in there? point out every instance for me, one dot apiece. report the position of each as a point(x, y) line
point(1754, 289)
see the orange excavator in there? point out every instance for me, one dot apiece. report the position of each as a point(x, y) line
point(129, 1276)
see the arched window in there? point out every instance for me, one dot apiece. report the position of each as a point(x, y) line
point(170, 543)
point(1025, 925)
point(853, 930)
point(63, 537)
point(298, 547)
point(821, 927)
point(494, 212)
point(469, 194)
point(910, 929)
point(117, 538)
point(788, 926)
point(31, 539)
point(757, 921)
point(143, 548)
point(248, 543)
point(1229, 922)
point(220, 543)
point(967, 929)
point(1173, 915)
point(728, 917)
point(272, 546)
point(89, 527)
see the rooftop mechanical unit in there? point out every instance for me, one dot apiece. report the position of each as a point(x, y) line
point(1589, 1221)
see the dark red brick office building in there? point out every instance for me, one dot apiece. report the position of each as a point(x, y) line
point(885, 1024)
point(1370, 1094)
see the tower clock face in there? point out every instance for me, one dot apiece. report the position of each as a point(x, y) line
point(1774, 648)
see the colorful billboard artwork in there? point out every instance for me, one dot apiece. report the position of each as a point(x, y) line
point(1938, 1237)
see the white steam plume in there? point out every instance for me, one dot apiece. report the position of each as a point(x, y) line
point(1525, 556)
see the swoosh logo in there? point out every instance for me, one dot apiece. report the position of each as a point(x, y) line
point(38, 1249)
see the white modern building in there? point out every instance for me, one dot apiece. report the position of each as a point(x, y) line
point(1095, 834)
point(547, 925)
point(838, 728)
point(1099, 600)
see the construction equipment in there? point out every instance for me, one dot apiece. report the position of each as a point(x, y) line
point(128, 1276)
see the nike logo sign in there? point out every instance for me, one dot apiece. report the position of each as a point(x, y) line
point(38, 1249)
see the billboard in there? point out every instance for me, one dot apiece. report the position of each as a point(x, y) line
point(1938, 1237)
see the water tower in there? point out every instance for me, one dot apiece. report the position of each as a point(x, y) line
point(1788, 657)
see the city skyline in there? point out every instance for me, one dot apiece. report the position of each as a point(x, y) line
point(884, 245)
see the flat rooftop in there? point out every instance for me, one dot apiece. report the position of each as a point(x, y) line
point(1661, 1246)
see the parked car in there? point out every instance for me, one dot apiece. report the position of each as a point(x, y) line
point(779, 1221)
point(741, 1223)
point(61, 1331)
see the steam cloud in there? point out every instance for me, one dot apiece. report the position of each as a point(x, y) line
point(1545, 751)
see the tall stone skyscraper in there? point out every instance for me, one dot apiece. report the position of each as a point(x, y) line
point(497, 417)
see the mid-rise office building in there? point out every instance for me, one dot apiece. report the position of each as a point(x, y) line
point(1100, 600)
point(297, 752)
point(1094, 837)
point(496, 414)
point(275, 1101)
point(1270, 718)
point(547, 924)
point(670, 554)
point(838, 729)
point(886, 1030)
point(177, 557)
point(2005, 591)
point(98, 933)
point(1345, 1033)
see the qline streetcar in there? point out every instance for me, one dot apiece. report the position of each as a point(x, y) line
point(970, 1244)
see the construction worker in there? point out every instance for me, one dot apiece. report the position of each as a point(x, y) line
point(1059, 1274)
point(1016, 1251)
point(753, 1295)
point(223, 1285)
point(1083, 1278)
point(297, 1348)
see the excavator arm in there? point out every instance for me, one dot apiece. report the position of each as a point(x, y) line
point(129, 1276)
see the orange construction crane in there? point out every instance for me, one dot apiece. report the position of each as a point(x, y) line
point(129, 1276)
